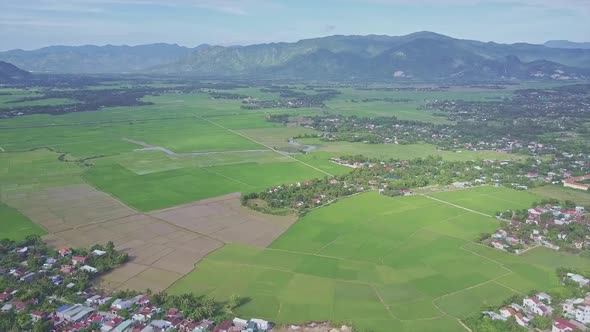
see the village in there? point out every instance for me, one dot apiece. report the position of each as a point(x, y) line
point(553, 225)
point(543, 312)
point(404, 177)
point(42, 289)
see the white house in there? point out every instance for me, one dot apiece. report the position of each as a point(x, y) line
point(241, 323)
point(580, 280)
point(583, 314)
point(260, 323)
point(89, 269)
point(531, 303)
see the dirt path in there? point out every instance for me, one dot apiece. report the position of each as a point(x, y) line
point(148, 147)
point(457, 206)
point(284, 154)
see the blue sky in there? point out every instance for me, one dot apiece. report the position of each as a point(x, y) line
point(29, 24)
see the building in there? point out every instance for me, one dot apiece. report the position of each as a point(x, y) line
point(569, 307)
point(78, 260)
point(562, 325)
point(89, 269)
point(74, 313)
point(124, 326)
point(507, 312)
point(576, 182)
point(580, 280)
point(582, 314)
point(261, 324)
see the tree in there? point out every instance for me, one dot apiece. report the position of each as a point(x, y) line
point(42, 325)
point(124, 313)
point(110, 248)
point(541, 322)
point(233, 302)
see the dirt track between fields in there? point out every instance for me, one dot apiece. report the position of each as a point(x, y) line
point(162, 245)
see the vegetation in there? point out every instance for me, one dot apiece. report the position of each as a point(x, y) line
point(345, 260)
point(383, 263)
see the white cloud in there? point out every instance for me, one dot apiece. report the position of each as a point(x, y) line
point(573, 5)
point(233, 7)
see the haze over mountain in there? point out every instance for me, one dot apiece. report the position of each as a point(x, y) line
point(95, 59)
point(566, 44)
point(10, 72)
point(421, 55)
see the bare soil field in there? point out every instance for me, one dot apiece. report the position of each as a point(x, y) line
point(163, 246)
point(225, 219)
point(62, 208)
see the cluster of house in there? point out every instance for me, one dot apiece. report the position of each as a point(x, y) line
point(54, 269)
point(142, 316)
point(576, 312)
point(541, 220)
point(94, 310)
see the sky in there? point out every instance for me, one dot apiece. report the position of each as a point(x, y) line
point(31, 24)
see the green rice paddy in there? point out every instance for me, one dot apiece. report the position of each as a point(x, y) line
point(15, 226)
point(382, 264)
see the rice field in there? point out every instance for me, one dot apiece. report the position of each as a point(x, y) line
point(382, 263)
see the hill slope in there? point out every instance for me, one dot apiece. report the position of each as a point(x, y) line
point(420, 55)
point(10, 72)
point(95, 59)
point(566, 44)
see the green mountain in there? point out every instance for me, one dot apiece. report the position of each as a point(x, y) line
point(422, 55)
point(10, 72)
point(95, 59)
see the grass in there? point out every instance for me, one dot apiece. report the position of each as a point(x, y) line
point(15, 226)
point(398, 151)
point(403, 111)
point(378, 262)
point(562, 193)
point(35, 170)
point(165, 188)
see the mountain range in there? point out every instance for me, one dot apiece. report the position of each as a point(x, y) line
point(421, 55)
point(10, 72)
point(566, 44)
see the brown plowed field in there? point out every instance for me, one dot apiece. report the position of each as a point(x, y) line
point(162, 246)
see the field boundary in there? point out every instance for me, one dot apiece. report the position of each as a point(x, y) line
point(266, 146)
point(457, 206)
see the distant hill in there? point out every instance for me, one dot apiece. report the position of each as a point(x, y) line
point(567, 44)
point(420, 55)
point(10, 72)
point(95, 59)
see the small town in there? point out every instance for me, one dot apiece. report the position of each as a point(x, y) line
point(556, 226)
point(543, 312)
point(404, 177)
point(47, 290)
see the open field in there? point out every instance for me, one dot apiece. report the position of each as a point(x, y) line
point(402, 111)
point(15, 226)
point(382, 263)
point(162, 247)
point(219, 148)
point(562, 193)
point(399, 151)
